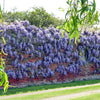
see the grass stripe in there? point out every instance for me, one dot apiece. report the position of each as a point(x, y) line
point(89, 97)
point(55, 93)
point(12, 91)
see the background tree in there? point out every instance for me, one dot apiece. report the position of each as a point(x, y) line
point(36, 16)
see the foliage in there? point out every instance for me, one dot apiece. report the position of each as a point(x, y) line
point(36, 16)
point(11, 16)
point(79, 13)
point(3, 75)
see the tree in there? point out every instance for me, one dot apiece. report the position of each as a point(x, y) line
point(79, 13)
point(36, 16)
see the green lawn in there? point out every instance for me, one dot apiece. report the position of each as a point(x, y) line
point(89, 97)
point(56, 93)
point(46, 87)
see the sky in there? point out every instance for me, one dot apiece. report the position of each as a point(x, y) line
point(51, 6)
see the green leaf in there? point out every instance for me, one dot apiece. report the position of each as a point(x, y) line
point(60, 8)
point(94, 6)
point(1, 14)
point(68, 12)
point(6, 85)
point(58, 27)
point(96, 16)
point(6, 77)
point(66, 27)
point(83, 1)
point(1, 68)
point(0, 74)
point(62, 26)
point(83, 10)
point(67, 1)
point(2, 79)
point(62, 33)
point(90, 17)
point(71, 35)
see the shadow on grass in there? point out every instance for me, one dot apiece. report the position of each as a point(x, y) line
point(46, 87)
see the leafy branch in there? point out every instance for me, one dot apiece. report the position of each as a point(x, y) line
point(3, 76)
point(79, 13)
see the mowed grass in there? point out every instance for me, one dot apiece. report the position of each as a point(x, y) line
point(89, 97)
point(12, 91)
point(56, 93)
